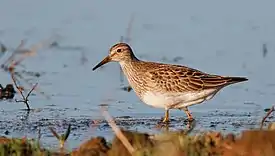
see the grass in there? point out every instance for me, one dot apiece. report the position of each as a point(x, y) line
point(256, 142)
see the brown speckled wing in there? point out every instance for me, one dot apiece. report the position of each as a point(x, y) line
point(174, 78)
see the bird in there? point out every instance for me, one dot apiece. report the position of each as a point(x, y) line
point(167, 86)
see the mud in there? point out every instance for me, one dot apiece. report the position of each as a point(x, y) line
point(28, 124)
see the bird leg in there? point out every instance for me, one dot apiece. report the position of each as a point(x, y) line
point(166, 116)
point(189, 115)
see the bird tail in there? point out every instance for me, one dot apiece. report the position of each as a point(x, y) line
point(221, 81)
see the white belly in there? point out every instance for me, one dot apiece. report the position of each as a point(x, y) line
point(177, 100)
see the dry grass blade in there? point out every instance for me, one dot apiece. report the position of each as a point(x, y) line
point(27, 52)
point(40, 45)
point(266, 116)
point(129, 28)
point(39, 134)
point(54, 133)
point(23, 57)
point(20, 46)
point(39, 137)
point(61, 138)
point(117, 131)
point(67, 132)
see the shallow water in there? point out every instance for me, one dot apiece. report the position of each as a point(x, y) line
point(217, 37)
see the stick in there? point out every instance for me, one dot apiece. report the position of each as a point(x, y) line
point(117, 131)
point(25, 99)
point(265, 117)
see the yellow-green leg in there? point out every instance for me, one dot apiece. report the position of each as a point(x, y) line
point(189, 115)
point(166, 116)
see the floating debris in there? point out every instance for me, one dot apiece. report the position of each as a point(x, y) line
point(127, 88)
point(54, 44)
point(8, 92)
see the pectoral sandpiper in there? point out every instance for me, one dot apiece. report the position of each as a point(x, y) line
point(167, 86)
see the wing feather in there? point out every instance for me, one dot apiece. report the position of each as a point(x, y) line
point(175, 78)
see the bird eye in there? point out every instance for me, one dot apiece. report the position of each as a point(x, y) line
point(118, 50)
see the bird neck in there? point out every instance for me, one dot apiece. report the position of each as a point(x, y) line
point(128, 64)
point(131, 72)
point(129, 61)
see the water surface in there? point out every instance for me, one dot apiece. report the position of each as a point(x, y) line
point(217, 37)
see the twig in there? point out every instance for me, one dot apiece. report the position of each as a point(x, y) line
point(31, 91)
point(117, 131)
point(267, 114)
point(25, 99)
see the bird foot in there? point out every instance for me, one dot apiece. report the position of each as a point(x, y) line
point(189, 120)
point(165, 120)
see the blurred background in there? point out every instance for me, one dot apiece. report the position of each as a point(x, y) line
point(234, 38)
